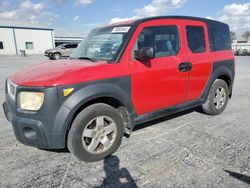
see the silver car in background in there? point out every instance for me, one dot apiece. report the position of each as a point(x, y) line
point(63, 50)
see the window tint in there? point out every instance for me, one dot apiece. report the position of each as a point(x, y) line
point(1, 45)
point(29, 45)
point(103, 43)
point(164, 40)
point(70, 46)
point(220, 39)
point(74, 45)
point(196, 39)
point(67, 46)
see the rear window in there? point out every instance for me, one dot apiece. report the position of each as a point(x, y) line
point(196, 39)
point(220, 39)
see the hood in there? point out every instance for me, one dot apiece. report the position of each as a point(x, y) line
point(63, 72)
point(51, 49)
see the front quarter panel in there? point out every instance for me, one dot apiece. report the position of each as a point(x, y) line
point(117, 88)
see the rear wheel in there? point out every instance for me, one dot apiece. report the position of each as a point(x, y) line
point(96, 133)
point(217, 98)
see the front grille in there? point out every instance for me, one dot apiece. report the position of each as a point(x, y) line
point(11, 89)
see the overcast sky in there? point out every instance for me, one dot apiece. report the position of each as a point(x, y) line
point(78, 16)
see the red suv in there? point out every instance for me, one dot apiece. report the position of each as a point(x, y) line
point(121, 75)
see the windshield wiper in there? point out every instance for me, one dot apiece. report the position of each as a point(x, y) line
point(88, 58)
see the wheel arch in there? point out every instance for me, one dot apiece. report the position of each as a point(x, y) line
point(111, 101)
point(220, 71)
point(99, 93)
point(228, 80)
point(56, 52)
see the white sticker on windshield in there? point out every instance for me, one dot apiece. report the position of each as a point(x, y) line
point(120, 29)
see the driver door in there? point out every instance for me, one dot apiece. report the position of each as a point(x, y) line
point(159, 83)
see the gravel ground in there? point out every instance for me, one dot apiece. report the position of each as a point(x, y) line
point(189, 149)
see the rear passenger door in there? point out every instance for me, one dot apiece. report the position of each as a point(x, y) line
point(65, 50)
point(68, 49)
point(158, 83)
point(73, 47)
point(199, 56)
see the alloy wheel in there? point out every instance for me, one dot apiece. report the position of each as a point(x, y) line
point(99, 134)
point(219, 97)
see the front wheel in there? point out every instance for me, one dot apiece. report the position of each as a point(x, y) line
point(95, 133)
point(217, 98)
point(56, 56)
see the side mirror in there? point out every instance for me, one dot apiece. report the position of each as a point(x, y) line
point(63, 48)
point(145, 53)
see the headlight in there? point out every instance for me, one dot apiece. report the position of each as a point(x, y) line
point(31, 100)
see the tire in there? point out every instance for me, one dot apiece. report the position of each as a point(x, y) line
point(86, 124)
point(56, 56)
point(216, 105)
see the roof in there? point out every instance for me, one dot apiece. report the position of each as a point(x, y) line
point(140, 20)
point(208, 21)
point(69, 36)
point(22, 25)
point(126, 22)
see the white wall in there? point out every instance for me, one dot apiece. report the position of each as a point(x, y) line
point(41, 40)
point(6, 36)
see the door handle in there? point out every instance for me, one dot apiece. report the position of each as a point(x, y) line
point(185, 66)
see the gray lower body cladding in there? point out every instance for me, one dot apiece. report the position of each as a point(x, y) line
point(48, 127)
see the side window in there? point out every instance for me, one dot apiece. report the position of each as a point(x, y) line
point(67, 46)
point(1, 45)
point(74, 45)
point(71, 46)
point(196, 39)
point(221, 39)
point(164, 39)
point(29, 45)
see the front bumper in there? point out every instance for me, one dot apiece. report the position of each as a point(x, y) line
point(27, 131)
point(48, 54)
point(43, 129)
point(6, 112)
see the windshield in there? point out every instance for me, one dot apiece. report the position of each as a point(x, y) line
point(102, 44)
point(59, 46)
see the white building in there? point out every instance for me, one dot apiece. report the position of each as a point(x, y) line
point(62, 39)
point(16, 36)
